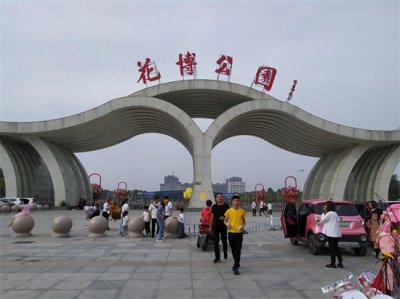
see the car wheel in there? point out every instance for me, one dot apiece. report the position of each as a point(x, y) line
point(312, 245)
point(362, 251)
point(294, 241)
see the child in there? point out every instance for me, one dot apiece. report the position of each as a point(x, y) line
point(146, 218)
point(181, 224)
point(125, 219)
point(205, 218)
point(235, 220)
point(373, 225)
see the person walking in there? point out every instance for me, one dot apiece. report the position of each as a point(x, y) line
point(269, 206)
point(153, 212)
point(168, 207)
point(161, 221)
point(330, 219)
point(106, 211)
point(254, 208)
point(218, 228)
point(262, 207)
point(124, 208)
point(235, 220)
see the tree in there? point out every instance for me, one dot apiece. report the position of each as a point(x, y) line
point(394, 188)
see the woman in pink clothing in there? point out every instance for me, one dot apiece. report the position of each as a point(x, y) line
point(25, 210)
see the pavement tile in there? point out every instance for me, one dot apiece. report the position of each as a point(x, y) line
point(173, 294)
point(208, 284)
point(146, 275)
point(114, 276)
point(174, 284)
point(141, 284)
point(73, 284)
point(211, 294)
point(96, 294)
point(137, 294)
point(20, 294)
point(284, 294)
point(59, 294)
point(106, 284)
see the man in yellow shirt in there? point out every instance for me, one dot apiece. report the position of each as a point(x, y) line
point(235, 220)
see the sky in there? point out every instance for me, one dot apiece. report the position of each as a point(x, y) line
point(60, 58)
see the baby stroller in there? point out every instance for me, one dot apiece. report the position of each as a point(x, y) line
point(205, 238)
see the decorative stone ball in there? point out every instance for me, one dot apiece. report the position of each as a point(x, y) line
point(15, 209)
point(136, 227)
point(61, 227)
point(97, 227)
point(171, 227)
point(22, 226)
point(46, 207)
point(6, 209)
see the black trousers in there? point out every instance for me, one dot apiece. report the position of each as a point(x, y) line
point(334, 250)
point(235, 242)
point(220, 234)
point(147, 228)
point(153, 226)
point(254, 212)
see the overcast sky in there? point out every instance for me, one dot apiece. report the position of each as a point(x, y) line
point(60, 58)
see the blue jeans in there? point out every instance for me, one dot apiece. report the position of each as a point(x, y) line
point(161, 226)
point(120, 224)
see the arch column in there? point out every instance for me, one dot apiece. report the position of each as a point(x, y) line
point(385, 172)
point(202, 185)
point(10, 175)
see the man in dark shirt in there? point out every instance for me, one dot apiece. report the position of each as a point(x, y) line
point(218, 228)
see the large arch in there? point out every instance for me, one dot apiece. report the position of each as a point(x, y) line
point(238, 110)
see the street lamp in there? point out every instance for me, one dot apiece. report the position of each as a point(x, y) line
point(301, 177)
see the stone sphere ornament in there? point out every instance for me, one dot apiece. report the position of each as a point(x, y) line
point(22, 226)
point(136, 227)
point(97, 227)
point(171, 227)
point(61, 227)
point(15, 209)
point(6, 208)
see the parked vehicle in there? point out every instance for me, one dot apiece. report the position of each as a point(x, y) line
point(16, 200)
point(303, 224)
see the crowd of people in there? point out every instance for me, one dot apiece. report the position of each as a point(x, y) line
point(264, 208)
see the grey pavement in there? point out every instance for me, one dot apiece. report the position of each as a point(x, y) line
point(120, 267)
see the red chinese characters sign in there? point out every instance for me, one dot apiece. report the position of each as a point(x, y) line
point(187, 64)
point(148, 71)
point(265, 77)
point(224, 65)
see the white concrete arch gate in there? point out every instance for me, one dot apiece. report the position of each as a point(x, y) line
point(38, 157)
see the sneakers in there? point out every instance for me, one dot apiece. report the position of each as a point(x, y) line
point(235, 270)
point(216, 261)
point(225, 255)
point(340, 265)
point(330, 266)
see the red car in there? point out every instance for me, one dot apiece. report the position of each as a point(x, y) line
point(303, 224)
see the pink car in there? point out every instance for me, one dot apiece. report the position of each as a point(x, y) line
point(303, 224)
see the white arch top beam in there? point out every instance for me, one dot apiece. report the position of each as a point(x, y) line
point(168, 109)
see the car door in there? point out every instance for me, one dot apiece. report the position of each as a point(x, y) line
point(289, 220)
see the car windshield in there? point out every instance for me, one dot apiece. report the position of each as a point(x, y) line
point(341, 209)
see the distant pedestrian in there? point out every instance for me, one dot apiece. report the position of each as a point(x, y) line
point(181, 224)
point(161, 221)
point(269, 205)
point(218, 228)
point(153, 212)
point(254, 208)
point(106, 211)
point(373, 226)
point(235, 220)
point(146, 218)
point(262, 207)
point(124, 208)
point(331, 221)
point(125, 220)
point(168, 207)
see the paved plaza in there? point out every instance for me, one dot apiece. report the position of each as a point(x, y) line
point(119, 267)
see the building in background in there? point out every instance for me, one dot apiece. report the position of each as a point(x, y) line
point(234, 184)
point(171, 183)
